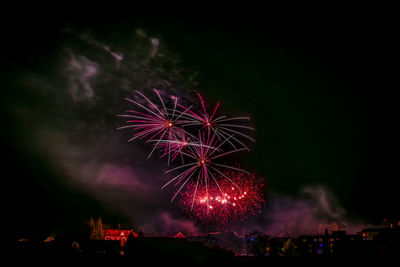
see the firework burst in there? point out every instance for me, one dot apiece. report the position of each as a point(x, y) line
point(224, 206)
point(224, 128)
point(154, 123)
point(203, 164)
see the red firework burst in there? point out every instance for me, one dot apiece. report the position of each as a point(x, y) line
point(223, 205)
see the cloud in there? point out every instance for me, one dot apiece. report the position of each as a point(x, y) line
point(313, 210)
point(166, 224)
point(134, 191)
point(155, 43)
point(118, 56)
point(80, 72)
point(117, 174)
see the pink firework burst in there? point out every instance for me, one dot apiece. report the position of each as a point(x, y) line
point(203, 163)
point(222, 206)
point(154, 123)
point(200, 139)
point(225, 128)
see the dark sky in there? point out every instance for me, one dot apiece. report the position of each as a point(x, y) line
point(317, 83)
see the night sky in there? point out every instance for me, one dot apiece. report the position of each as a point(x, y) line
point(316, 82)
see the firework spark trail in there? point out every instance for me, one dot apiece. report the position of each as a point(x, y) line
point(221, 205)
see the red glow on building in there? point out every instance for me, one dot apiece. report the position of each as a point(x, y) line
point(121, 235)
point(179, 235)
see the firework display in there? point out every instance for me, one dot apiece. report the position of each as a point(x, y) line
point(222, 206)
point(201, 140)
